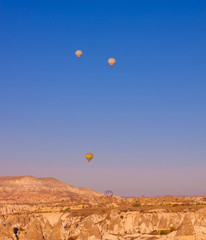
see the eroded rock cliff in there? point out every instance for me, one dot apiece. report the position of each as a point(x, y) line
point(113, 224)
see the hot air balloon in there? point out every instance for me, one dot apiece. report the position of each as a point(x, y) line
point(111, 61)
point(108, 193)
point(78, 53)
point(89, 156)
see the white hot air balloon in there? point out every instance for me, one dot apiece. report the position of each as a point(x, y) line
point(78, 53)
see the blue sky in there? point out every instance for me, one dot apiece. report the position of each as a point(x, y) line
point(144, 119)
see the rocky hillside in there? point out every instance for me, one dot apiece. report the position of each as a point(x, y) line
point(47, 209)
point(111, 225)
point(30, 189)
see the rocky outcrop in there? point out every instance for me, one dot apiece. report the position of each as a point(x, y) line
point(6, 232)
point(186, 230)
point(33, 231)
point(47, 229)
point(16, 208)
point(90, 230)
point(56, 233)
point(29, 189)
point(112, 225)
point(47, 209)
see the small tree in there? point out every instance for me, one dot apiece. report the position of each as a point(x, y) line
point(172, 229)
point(136, 205)
point(162, 232)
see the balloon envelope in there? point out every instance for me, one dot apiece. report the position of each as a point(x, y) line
point(111, 61)
point(89, 156)
point(78, 53)
point(108, 193)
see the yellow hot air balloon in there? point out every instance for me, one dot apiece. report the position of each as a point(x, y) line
point(78, 53)
point(89, 156)
point(111, 61)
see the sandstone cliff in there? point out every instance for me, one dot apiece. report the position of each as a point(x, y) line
point(114, 224)
point(82, 214)
point(28, 189)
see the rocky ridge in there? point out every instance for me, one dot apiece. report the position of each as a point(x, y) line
point(112, 225)
point(29, 189)
point(70, 214)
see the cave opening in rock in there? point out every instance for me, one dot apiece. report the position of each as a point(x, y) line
point(16, 229)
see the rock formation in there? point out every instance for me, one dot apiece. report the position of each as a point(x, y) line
point(186, 230)
point(82, 214)
point(28, 189)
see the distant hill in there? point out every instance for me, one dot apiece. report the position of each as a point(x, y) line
point(31, 189)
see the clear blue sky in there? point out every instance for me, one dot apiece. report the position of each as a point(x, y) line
point(144, 119)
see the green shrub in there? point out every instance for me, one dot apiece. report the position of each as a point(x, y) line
point(136, 205)
point(162, 232)
point(154, 232)
point(172, 229)
point(175, 205)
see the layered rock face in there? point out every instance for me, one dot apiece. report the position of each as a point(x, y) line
point(28, 189)
point(82, 214)
point(186, 230)
point(113, 225)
